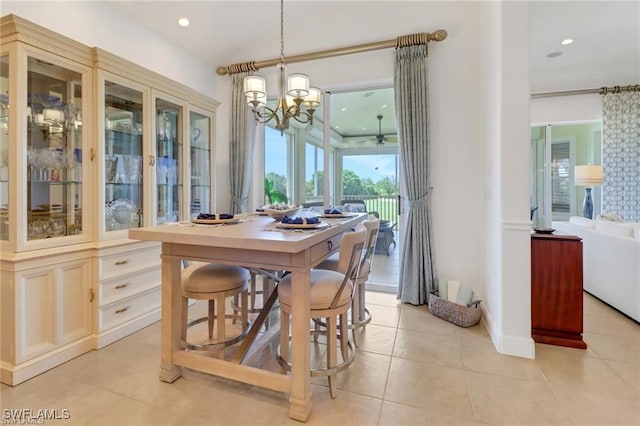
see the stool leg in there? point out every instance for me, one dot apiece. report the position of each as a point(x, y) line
point(267, 288)
point(344, 336)
point(284, 335)
point(210, 319)
point(220, 300)
point(355, 316)
point(253, 291)
point(245, 312)
point(184, 318)
point(332, 356)
point(361, 298)
point(234, 304)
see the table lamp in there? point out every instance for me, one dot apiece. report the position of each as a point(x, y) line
point(588, 176)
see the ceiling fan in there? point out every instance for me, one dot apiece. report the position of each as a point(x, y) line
point(380, 137)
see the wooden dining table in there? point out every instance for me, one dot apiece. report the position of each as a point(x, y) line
point(253, 242)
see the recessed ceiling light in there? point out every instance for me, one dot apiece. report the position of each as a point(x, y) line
point(554, 54)
point(364, 128)
point(183, 22)
point(343, 109)
point(567, 41)
point(384, 106)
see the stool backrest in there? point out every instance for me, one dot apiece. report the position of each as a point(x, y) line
point(351, 248)
point(372, 226)
point(347, 242)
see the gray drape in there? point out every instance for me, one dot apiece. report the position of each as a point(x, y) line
point(241, 143)
point(417, 263)
point(621, 155)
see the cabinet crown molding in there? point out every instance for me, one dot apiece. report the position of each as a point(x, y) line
point(14, 28)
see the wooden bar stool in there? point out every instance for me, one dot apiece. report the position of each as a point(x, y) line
point(215, 283)
point(360, 315)
point(331, 296)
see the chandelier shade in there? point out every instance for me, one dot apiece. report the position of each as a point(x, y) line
point(297, 100)
point(255, 87)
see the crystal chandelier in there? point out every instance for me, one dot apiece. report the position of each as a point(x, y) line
point(298, 101)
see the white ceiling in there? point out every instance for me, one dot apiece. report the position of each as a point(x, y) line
point(606, 51)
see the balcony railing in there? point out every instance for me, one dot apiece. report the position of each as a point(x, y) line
point(386, 206)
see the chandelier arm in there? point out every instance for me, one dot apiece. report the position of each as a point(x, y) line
point(304, 117)
point(266, 116)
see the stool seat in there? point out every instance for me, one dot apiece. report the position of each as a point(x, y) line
point(324, 286)
point(201, 277)
point(214, 283)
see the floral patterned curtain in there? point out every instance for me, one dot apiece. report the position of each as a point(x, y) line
point(621, 155)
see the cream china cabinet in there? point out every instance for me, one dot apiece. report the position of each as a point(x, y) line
point(45, 220)
point(90, 146)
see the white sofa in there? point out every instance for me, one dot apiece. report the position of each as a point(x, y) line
point(611, 261)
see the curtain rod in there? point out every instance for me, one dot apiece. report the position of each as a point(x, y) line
point(407, 40)
point(601, 91)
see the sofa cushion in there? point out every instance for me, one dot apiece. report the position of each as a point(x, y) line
point(582, 221)
point(609, 217)
point(615, 228)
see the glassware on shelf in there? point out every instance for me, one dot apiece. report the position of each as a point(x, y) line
point(111, 168)
point(132, 168)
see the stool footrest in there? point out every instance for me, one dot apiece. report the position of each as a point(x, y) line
point(350, 326)
point(216, 345)
point(322, 372)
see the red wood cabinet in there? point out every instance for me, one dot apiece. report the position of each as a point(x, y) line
point(556, 290)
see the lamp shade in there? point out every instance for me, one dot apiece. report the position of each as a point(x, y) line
point(298, 85)
point(254, 86)
point(312, 100)
point(588, 175)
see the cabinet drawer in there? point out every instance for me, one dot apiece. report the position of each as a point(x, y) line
point(128, 309)
point(113, 290)
point(322, 250)
point(131, 261)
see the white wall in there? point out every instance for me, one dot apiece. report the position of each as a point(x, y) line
point(566, 109)
point(476, 120)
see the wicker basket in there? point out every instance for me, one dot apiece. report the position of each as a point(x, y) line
point(462, 315)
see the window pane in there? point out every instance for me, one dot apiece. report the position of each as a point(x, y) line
point(314, 179)
point(275, 162)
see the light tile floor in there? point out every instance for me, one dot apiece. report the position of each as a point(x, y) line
point(411, 368)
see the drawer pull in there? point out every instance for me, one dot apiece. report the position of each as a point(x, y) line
point(330, 245)
point(121, 286)
point(119, 311)
point(121, 262)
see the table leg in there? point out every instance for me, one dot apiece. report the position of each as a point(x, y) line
point(300, 395)
point(171, 272)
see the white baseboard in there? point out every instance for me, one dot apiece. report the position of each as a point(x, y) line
point(15, 374)
point(523, 347)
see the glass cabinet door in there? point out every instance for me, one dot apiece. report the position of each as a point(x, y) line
point(200, 167)
point(4, 147)
point(54, 150)
point(169, 146)
point(123, 176)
